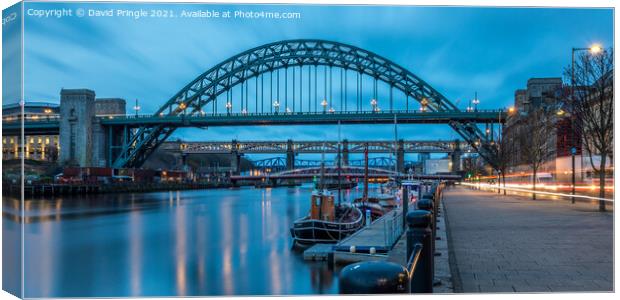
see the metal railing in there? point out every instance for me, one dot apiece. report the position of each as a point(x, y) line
point(392, 227)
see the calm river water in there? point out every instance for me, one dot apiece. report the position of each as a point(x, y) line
point(198, 242)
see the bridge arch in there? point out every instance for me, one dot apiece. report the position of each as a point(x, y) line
point(221, 78)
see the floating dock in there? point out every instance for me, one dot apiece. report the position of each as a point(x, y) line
point(372, 242)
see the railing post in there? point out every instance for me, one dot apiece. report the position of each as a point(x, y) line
point(419, 231)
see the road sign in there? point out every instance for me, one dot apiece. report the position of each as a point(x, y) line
point(573, 150)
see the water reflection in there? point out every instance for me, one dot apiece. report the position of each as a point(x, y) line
point(214, 242)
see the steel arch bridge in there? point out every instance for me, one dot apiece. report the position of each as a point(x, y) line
point(202, 93)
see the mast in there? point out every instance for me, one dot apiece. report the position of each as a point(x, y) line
point(322, 182)
point(396, 149)
point(339, 166)
point(366, 173)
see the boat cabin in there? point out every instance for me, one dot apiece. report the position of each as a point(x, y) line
point(322, 207)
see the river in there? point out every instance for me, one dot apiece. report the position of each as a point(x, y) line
point(176, 243)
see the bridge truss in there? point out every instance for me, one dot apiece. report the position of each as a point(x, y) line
point(287, 74)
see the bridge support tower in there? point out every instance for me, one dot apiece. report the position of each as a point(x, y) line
point(77, 111)
point(400, 156)
point(290, 155)
point(235, 158)
point(455, 157)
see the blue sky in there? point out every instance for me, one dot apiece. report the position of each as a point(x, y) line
point(457, 50)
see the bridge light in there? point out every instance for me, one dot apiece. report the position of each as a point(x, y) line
point(182, 105)
point(244, 111)
point(288, 110)
point(324, 104)
point(373, 103)
point(511, 110)
point(331, 110)
point(228, 107)
point(47, 111)
point(276, 106)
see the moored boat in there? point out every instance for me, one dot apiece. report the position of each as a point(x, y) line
point(326, 223)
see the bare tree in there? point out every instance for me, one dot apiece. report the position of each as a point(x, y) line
point(504, 155)
point(591, 106)
point(536, 142)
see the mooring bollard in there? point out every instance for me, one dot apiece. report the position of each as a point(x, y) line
point(427, 204)
point(419, 231)
point(374, 277)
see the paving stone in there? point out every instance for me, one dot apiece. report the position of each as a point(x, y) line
point(530, 246)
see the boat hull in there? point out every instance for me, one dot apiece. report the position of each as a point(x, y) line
point(311, 231)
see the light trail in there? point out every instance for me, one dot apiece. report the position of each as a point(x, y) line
point(532, 191)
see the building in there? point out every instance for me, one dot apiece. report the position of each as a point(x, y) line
point(545, 94)
point(38, 147)
point(82, 135)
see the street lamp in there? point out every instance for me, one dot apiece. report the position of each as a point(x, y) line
point(424, 104)
point(373, 103)
point(276, 106)
point(594, 49)
point(324, 104)
point(469, 108)
point(228, 107)
point(136, 107)
point(476, 101)
point(331, 110)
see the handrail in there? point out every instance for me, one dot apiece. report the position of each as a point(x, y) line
point(413, 259)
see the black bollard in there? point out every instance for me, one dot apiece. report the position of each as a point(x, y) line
point(405, 201)
point(419, 222)
point(427, 205)
point(374, 277)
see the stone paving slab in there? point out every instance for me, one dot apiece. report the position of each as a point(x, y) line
point(502, 244)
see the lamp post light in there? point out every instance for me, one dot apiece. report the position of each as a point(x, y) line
point(288, 110)
point(276, 106)
point(331, 110)
point(244, 111)
point(373, 103)
point(424, 104)
point(594, 49)
point(136, 108)
point(476, 101)
point(324, 104)
point(228, 107)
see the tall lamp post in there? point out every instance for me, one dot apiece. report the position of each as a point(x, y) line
point(136, 107)
point(476, 101)
point(594, 49)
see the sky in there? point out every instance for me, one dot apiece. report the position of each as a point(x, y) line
point(457, 50)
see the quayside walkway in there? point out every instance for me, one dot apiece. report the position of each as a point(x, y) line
point(515, 244)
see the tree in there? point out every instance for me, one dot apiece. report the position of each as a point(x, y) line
point(504, 155)
point(591, 106)
point(536, 142)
